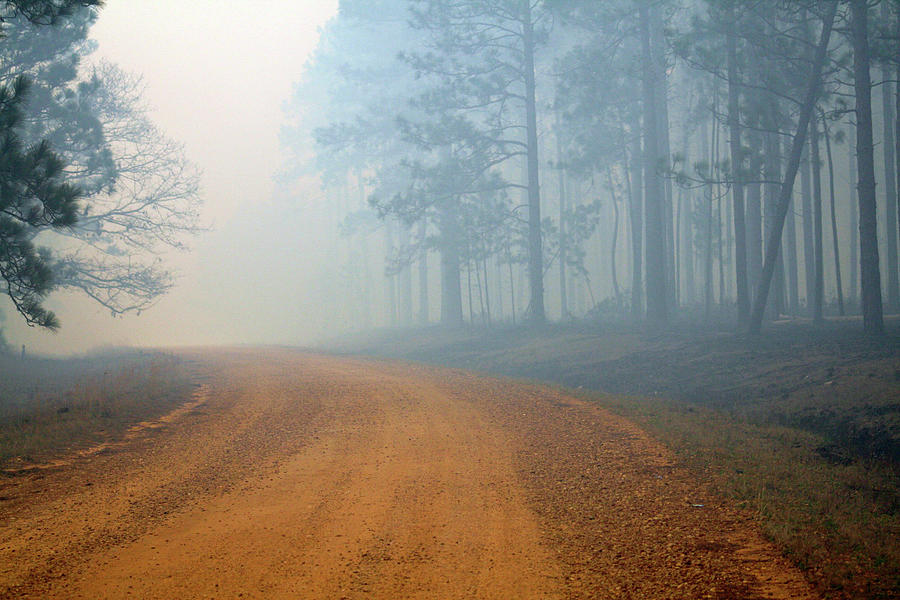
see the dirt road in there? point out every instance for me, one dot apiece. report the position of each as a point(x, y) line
point(302, 476)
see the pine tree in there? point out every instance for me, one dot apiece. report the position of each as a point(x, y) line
point(33, 190)
point(33, 195)
point(484, 52)
point(873, 319)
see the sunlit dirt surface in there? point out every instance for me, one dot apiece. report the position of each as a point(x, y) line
point(304, 476)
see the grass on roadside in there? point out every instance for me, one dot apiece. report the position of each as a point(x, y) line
point(50, 406)
point(838, 522)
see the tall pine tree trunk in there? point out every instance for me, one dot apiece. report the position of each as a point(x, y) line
point(722, 229)
point(657, 305)
point(405, 304)
point(890, 183)
point(773, 173)
point(754, 213)
point(423, 274)
point(469, 284)
point(708, 214)
point(368, 296)
point(897, 128)
point(679, 268)
point(686, 244)
point(563, 241)
point(688, 251)
point(451, 282)
point(792, 262)
point(658, 54)
point(535, 245)
point(737, 188)
point(391, 280)
point(819, 277)
point(615, 236)
point(809, 261)
point(512, 284)
point(636, 213)
point(853, 205)
point(498, 290)
point(367, 299)
point(834, 229)
point(873, 319)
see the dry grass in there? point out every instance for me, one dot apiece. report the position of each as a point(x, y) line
point(838, 522)
point(49, 407)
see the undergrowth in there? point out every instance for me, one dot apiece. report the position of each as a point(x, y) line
point(837, 522)
point(52, 406)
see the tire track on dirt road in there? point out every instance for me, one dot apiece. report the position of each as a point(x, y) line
point(307, 476)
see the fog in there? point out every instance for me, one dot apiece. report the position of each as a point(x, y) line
point(368, 169)
point(217, 74)
point(680, 214)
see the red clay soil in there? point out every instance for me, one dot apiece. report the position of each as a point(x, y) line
point(303, 476)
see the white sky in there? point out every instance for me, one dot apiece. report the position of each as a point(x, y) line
point(217, 74)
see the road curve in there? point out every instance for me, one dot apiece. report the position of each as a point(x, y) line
point(296, 475)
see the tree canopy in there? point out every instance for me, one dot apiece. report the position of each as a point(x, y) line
point(91, 189)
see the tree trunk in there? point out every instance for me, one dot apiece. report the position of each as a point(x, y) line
point(484, 302)
point(469, 285)
point(367, 299)
point(423, 275)
point(873, 319)
point(405, 304)
point(368, 296)
point(754, 215)
point(834, 229)
point(819, 280)
point(784, 201)
point(737, 161)
point(615, 236)
point(773, 173)
point(686, 242)
point(391, 280)
point(658, 54)
point(636, 212)
point(853, 205)
point(487, 290)
point(722, 229)
point(792, 262)
point(890, 184)
point(708, 220)
point(451, 283)
point(687, 250)
point(563, 241)
point(512, 284)
point(498, 289)
point(535, 248)
point(728, 237)
point(897, 128)
point(717, 195)
point(809, 262)
point(657, 306)
point(679, 269)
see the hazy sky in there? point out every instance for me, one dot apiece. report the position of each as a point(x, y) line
point(217, 74)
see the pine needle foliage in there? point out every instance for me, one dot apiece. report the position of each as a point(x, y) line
point(33, 191)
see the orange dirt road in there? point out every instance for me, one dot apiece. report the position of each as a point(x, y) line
point(303, 476)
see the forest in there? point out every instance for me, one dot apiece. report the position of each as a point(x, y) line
point(450, 299)
point(517, 161)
